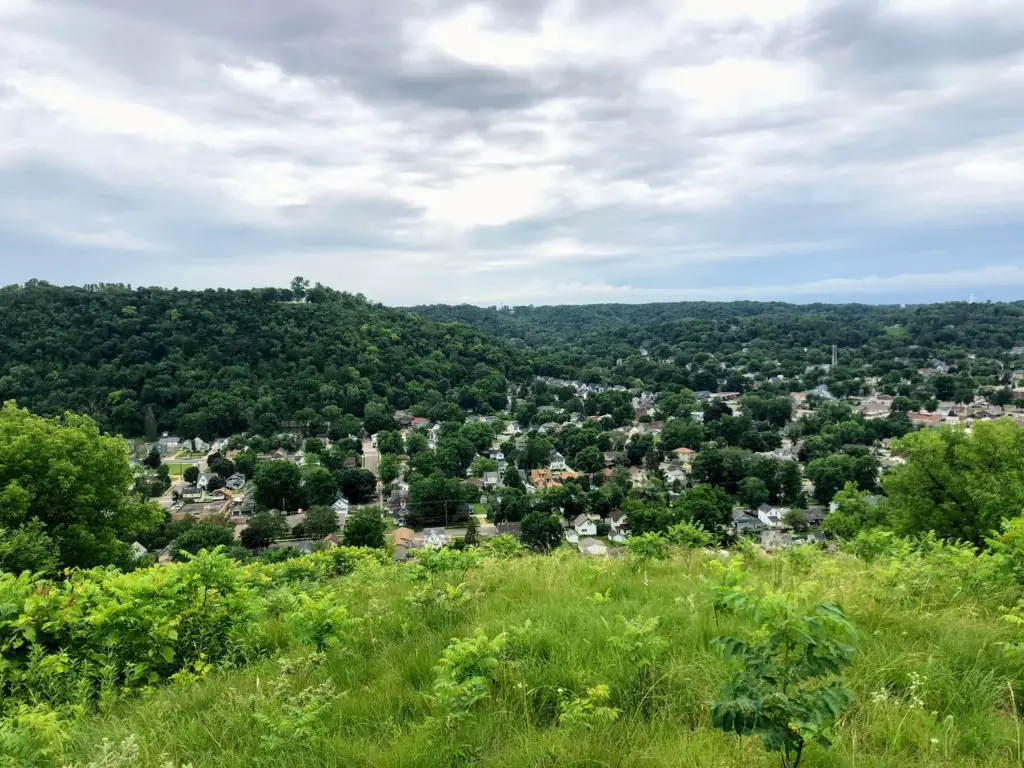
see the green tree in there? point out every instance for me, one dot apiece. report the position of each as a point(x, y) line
point(589, 460)
point(222, 466)
point(682, 433)
point(472, 537)
point(389, 468)
point(390, 441)
point(152, 459)
point(278, 485)
point(358, 485)
point(537, 452)
point(75, 481)
point(205, 535)
point(509, 505)
point(959, 485)
point(314, 446)
point(830, 474)
point(28, 548)
point(319, 486)
point(541, 531)
point(320, 522)
point(191, 473)
point(753, 492)
point(854, 512)
point(245, 462)
point(365, 528)
point(706, 506)
point(415, 443)
point(482, 464)
point(264, 529)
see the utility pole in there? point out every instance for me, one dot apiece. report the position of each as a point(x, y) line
point(835, 355)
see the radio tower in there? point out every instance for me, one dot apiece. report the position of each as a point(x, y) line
point(835, 355)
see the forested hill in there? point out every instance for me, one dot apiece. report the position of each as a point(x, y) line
point(575, 321)
point(218, 362)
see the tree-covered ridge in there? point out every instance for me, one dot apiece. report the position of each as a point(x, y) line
point(700, 345)
point(217, 362)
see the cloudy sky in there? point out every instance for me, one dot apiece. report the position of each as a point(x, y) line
point(522, 151)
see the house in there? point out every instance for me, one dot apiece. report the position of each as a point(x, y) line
point(509, 529)
point(199, 445)
point(191, 493)
point(618, 522)
point(572, 537)
point(138, 550)
point(815, 516)
point(435, 538)
point(236, 482)
point(592, 548)
point(402, 537)
point(613, 457)
point(542, 479)
point(167, 446)
point(637, 476)
point(206, 478)
point(584, 525)
point(924, 419)
point(683, 456)
point(743, 523)
point(420, 423)
point(165, 556)
point(332, 540)
point(770, 516)
point(491, 479)
point(557, 463)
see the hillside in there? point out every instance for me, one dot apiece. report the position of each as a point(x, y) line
point(581, 662)
point(217, 362)
point(649, 343)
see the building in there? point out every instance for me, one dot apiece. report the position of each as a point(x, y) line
point(435, 538)
point(592, 548)
point(236, 482)
point(584, 525)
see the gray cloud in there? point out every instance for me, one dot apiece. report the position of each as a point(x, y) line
point(422, 150)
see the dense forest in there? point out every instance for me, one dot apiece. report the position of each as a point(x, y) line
point(218, 362)
point(727, 346)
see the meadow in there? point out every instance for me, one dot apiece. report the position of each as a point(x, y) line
point(505, 659)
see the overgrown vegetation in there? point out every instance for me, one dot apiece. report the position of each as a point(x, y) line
point(473, 658)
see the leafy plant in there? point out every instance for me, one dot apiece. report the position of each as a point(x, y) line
point(320, 620)
point(786, 689)
point(645, 548)
point(464, 673)
point(298, 717)
point(586, 712)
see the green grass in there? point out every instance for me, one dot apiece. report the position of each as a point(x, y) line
point(949, 636)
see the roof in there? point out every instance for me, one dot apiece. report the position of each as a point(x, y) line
point(683, 451)
point(402, 535)
point(580, 519)
point(509, 529)
point(618, 516)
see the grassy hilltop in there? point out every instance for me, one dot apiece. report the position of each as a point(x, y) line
point(934, 680)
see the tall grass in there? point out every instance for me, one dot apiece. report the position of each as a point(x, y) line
point(933, 686)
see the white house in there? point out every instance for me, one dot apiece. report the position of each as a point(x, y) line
point(138, 550)
point(236, 482)
point(771, 516)
point(584, 526)
point(557, 462)
point(199, 445)
point(434, 538)
point(491, 479)
point(205, 479)
point(571, 536)
point(341, 509)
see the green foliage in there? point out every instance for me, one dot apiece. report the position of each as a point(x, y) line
point(191, 473)
point(319, 620)
point(586, 712)
point(854, 512)
point(28, 548)
point(706, 506)
point(319, 487)
point(959, 485)
point(297, 717)
point(203, 536)
point(263, 529)
point(753, 492)
point(320, 521)
point(389, 467)
point(645, 548)
point(786, 690)
point(464, 674)
point(541, 531)
point(365, 528)
point(75, 481)
point(278, 485)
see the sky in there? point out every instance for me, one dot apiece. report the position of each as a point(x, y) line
point(518, 152)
